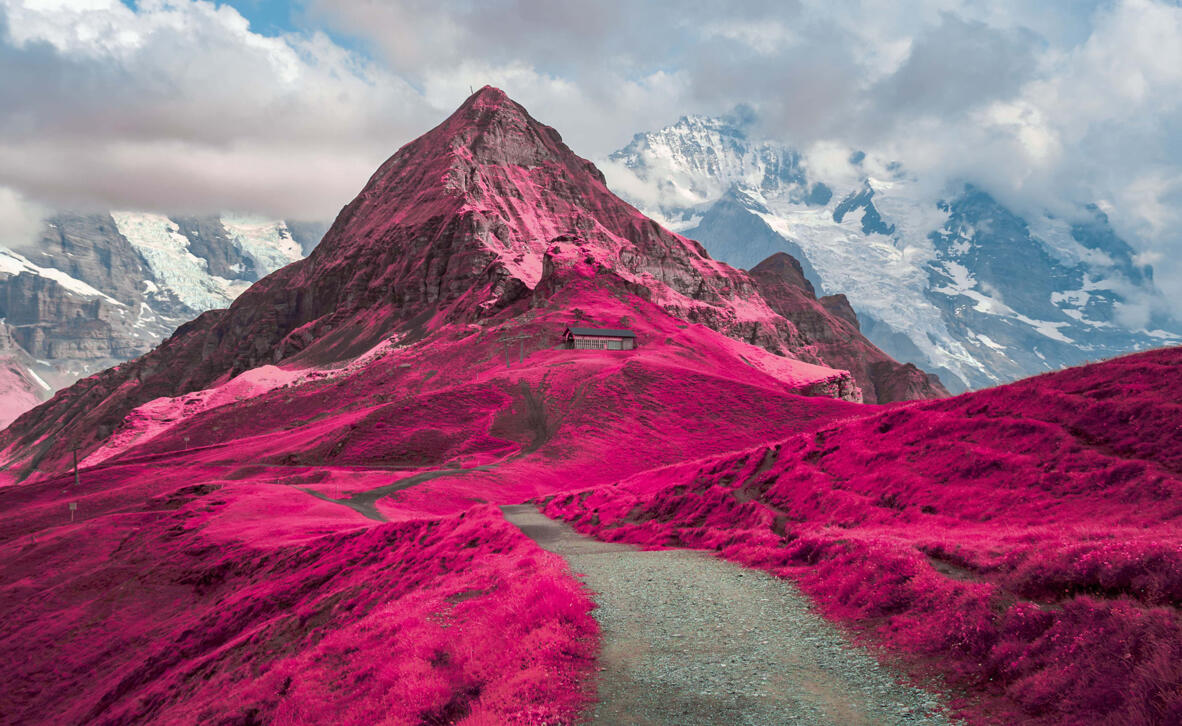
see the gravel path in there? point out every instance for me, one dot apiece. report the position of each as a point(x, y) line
point(689, 639)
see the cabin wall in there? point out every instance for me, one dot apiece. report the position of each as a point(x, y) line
point(598, 342)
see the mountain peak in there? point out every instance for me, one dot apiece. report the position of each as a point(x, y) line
point(487, 106)
point(488, 96)
point(488, 130)
point(783, 266)
point(491, 128)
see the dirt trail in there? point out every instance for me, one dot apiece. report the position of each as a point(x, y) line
point(689, 639)
point(365, 502)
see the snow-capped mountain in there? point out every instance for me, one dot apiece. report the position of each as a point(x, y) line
point(957, 283)
point(99, 289)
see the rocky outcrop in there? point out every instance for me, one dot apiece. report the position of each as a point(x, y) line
point(839, 306)
point(71, 332)
point(831, 327)
point(90, 248)
point(209, 241)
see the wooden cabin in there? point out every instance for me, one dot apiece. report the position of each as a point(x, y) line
point(598, 339)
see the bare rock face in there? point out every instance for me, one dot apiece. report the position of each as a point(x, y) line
point(99, 289)
point(51, 323)
point(209, 241)
point(787, 271)
point(78, 306)
point(90, 248)
point(839, 306)
point(831, 327)
point(28, 299)
point(452, 228)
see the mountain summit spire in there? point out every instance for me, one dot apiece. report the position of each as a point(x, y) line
point(456, 227)
point(487, 96)
point(491, 128)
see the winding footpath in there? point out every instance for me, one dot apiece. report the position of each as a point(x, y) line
point(692, 640)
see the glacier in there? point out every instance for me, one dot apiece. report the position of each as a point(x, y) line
point(951, 280)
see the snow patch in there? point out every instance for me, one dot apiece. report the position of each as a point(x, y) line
point(990, 342)
point(38, 379)
point(13, 263)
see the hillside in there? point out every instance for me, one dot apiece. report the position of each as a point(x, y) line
point(1021, 542)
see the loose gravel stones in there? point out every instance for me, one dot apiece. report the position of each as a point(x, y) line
point(689, 639)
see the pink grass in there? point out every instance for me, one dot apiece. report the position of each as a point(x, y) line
point(1023, 543)
point(453, 620)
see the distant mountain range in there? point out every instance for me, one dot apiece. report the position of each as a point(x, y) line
point(99, 289)
point(960, 285)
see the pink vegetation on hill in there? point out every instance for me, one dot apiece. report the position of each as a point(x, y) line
point(229, 542)
point(1023, 542)
point(169, 616)
point(153, 418)
point(450, 401)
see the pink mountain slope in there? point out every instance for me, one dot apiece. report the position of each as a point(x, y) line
point(1024, 542)
point(449, 231)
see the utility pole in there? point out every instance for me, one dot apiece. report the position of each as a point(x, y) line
point(75, 466)
point(508, 340)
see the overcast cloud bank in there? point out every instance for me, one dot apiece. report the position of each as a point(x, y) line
point(178, 106)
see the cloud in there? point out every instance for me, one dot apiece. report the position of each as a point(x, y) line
point(20, 220)
point(180, 104)
point(956, 66)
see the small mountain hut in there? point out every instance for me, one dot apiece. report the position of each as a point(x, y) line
point(598, 339)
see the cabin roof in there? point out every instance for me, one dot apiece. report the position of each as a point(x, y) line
point(605, 332)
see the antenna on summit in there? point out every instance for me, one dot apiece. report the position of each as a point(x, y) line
point(470, 91)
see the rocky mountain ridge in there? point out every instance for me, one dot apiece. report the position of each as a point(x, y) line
point(832, 328)
point(961, 285)
point(98, 289)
